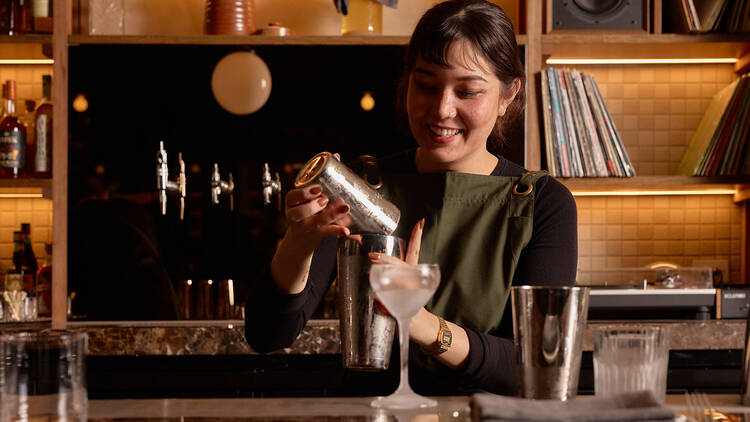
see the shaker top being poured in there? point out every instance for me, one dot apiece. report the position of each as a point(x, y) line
point(369, 211)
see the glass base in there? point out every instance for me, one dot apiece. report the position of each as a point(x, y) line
point(403, 401)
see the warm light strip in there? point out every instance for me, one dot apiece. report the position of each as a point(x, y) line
point(27, 61)
point(640, 61)
point(655, 192)
point(21, 195)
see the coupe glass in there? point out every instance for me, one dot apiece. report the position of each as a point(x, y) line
point(404, 289)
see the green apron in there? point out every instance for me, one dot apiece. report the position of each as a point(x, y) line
point(475, 227)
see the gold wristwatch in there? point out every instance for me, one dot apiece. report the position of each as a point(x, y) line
point(444, 340)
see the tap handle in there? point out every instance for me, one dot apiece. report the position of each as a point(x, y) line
point(182, 185)
point(220, 187)
point(230, 192)
point(215, 185)
point(277, 180)
point(162, 177)
point(270, 186)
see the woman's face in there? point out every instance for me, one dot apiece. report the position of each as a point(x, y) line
point(453, 109)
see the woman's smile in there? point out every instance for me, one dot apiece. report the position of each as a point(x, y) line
point(442, 134)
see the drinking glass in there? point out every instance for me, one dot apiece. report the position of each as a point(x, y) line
point(404, 289)
point(631, 359)
point(43, 376)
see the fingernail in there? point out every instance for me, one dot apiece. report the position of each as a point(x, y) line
point(421, 224)
point(344, 209)
point(323, 201)
point(374, 256)
point(315, 190)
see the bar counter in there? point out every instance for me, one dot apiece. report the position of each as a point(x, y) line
point(455, 409)
point(168, 338)
point(227, 337)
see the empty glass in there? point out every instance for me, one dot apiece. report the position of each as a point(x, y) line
point(404, 289)
point(631, 359)
point(43, 376)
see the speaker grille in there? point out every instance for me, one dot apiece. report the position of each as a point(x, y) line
point(597, 14)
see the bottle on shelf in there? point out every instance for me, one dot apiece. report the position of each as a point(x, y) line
point(10, 17)
point(44, 283)
point(22, 269)
point(27, 118)
point(30, 258)
point(25, 21)
point(12, 137)
point(43, 131)
point(42, 14)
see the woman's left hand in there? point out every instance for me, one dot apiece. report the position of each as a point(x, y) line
point(412, 251)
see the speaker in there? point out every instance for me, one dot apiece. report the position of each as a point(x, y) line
point(597, 14)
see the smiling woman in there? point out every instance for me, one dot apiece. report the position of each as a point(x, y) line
point(462, 88)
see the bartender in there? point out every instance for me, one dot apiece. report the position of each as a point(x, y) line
point(487, 222)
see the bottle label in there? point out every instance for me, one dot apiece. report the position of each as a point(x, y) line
point(12, 147)
point(41, 158)
point(40, 8)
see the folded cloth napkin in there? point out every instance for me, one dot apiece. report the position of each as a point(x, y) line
point(637, 406)
point(343, 5)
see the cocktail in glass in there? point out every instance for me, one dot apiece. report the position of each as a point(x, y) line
point(404, 289)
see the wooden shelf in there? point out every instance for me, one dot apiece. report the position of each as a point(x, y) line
point(739, 184)
point(641, 38)
point(25, 187)
point(235, 40)
point(243, 40)
point(26, 39)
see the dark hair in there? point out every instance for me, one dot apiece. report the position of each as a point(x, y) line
point(488, 29)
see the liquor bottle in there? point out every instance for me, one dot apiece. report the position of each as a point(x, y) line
point(19, 262)
point(26, 18)
point(29, 257)
point(44, 283)
point(12, 137)
point(42, 12)
point(28, 118)
point(43, 131)
point(10, 17)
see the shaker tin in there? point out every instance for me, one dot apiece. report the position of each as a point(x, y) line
point(369, 211)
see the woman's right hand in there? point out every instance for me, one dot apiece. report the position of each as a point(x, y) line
point(312, 217)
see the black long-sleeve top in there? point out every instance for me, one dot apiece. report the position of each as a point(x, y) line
point(274, 318)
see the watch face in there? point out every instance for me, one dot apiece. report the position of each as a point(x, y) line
point(446, 338)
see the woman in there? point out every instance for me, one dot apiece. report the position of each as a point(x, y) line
point(488, 222)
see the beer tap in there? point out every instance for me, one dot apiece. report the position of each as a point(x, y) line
point(166, 186)
point(271, 186)
point(220, 187)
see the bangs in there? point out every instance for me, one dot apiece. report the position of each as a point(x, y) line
point(434, 45)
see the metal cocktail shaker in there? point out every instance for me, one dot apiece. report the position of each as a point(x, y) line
point(369, 211)
point(548, 327)
point(366, 330)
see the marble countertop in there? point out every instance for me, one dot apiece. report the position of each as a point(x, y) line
point(132, 338)
point(454, 409)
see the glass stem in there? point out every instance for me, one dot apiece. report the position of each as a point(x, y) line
point(403, 340)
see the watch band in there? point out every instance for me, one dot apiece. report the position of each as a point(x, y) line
point(444, 340)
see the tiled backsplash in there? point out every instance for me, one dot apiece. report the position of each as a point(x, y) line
point(13, 212)
point(28, 81)
point(634, 231)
